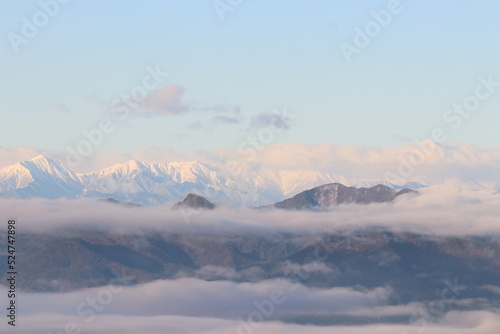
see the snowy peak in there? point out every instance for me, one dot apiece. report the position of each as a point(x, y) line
point(42, 164)
point(39, 177)
point(42, 159)
point(14, 177)
point(126, 169)
point(130, 166)
point(192, 172)
point(145, 183)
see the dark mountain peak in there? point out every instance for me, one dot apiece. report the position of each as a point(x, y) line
point(196, 202)
point(333, 194)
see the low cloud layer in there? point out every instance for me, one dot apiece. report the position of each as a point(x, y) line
point(201, 305)
point(481, 322)
point(189, 305)
point(195, 297)
point(441, 211)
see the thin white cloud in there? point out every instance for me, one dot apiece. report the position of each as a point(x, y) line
point(289, 268)
point(196, 297)
point(467, 322)
point(170, 100)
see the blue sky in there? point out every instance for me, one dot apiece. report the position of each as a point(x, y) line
point(264, 55)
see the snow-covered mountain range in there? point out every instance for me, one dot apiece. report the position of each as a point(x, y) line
point(153, 184)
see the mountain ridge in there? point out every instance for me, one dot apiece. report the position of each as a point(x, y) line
point(332, 194)
point(159, 183)
point(39, 177)
point(367, 258)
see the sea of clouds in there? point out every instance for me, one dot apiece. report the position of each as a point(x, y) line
point(202, 304)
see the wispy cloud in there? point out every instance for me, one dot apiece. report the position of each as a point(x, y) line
point(225, 120)
point(170, 100)
point(266, 119)
point(167, 100)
